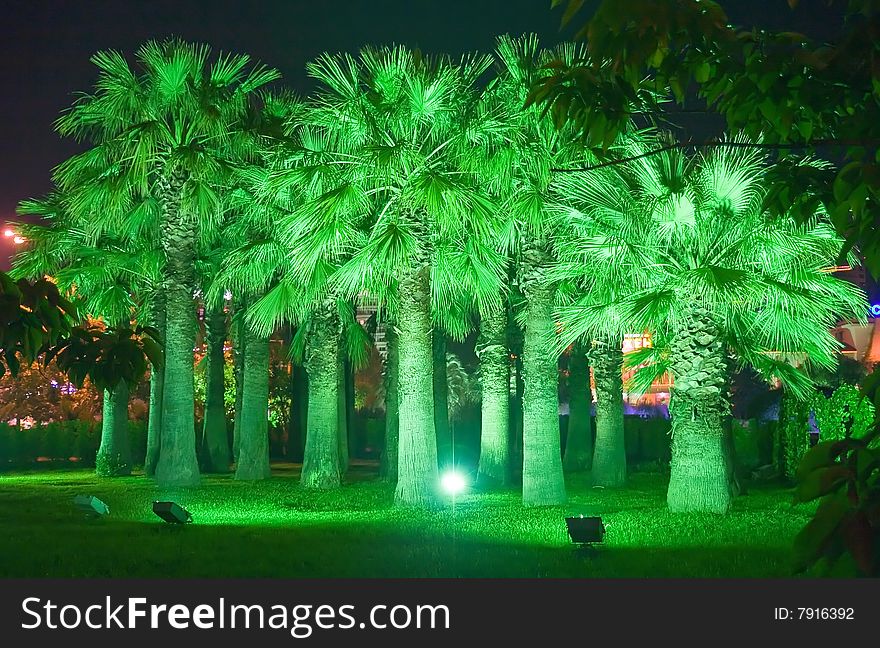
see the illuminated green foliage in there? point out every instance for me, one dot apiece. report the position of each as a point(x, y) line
point(846, 412)
point(790, 91)
point(395, 217)
point(161, 138)
point(683, 249)
point(523, 148)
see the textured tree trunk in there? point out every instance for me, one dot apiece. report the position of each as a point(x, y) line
point(299, 412)
point(214, 437)
point(609, 456)
point(579, 442)
point(388, 463)
point(342, 410)
point(441, 399)
point(239, 342)
point(516, 420)
point(699, 479)
point(350, 409)
point(494, 467)
point(543, 481)
point(730, 456)
point(157, 382)
point(321, 464)
point(114, 453)
point(253, 445)
point(178, 464)
point(417, 473)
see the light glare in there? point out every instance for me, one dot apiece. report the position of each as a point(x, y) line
point(452, 482)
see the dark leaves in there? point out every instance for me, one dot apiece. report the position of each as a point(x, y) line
point(108, 356)
point(32, 317)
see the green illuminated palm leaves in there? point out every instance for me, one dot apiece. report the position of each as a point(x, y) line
point(681, 248)
point(163, 133)
point(522, 150)
point(110, 278)
point(269, 270)
point(400, 207)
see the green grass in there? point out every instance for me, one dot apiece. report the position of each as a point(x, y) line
point(277, 529)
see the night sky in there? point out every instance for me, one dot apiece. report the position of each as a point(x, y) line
point(46, 47)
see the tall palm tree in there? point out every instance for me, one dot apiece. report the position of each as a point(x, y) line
point(494, 466)
point(388, 456)
point(609, 454)
point(108, 276)
point(401, 203)
point(247, 270)
point(166, 128)
point(523, 152)
point(579, 440)
point(215, 442)
point(712, 277)
point(273, 218)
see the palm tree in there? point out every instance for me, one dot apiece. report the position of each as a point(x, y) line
point(166, 129)
point(106, 276)
point(494, 467)
point(523, 152)
point(712, 277)
point(609, 454)
point(215, 442)
point(579, 440)
point(388, 459)
point(247, 271)
point(273, 215)
point(156, 319)
point(399, 201)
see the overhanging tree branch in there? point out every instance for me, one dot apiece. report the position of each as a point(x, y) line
point(689, 143)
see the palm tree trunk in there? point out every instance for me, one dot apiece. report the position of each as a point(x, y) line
point(214, 436)
point(441, 399)
point(699, 479)
point(494, 467)
point(609, 456)
point(298, 413)
point(543, 481)
point(178, 464)
point(388, 462)
point(417, 473)
point(157, 382)
point(114, 453)
point(342, 410)
point(239, 340)
point(253, 448)
point(321, 465)
point(350, 409)
point(516, 419)
point(579, 442)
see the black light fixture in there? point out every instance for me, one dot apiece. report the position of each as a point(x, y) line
point(91, 505)
point(172, 513)
point(585, 531)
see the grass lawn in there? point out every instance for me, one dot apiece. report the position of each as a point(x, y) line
point(275, 528)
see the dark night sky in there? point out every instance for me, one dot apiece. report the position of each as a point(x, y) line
point(46, 46)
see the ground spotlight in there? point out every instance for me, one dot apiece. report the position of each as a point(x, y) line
point(585, 530)
point(172, 513)
point(91, 505)
point(453, 482)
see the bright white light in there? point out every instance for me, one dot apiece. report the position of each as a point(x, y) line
point(18, 240)
point(452, 482)
point(8, 233)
